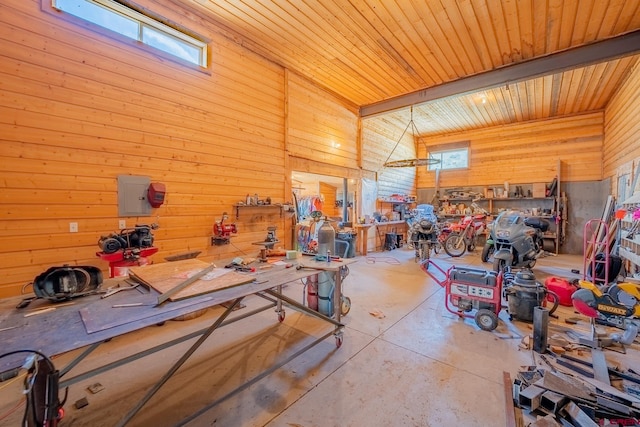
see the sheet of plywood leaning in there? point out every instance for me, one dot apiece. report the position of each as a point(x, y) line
point(166, 276)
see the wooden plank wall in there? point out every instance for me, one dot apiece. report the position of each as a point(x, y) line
point(320, 127)
point(525, 153)
point(382, 140)
point(80, 106)
point(322, 137)
point(622, 132)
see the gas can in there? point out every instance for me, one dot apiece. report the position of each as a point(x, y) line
point(561, 287)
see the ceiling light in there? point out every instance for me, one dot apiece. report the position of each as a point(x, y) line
point(407, 163)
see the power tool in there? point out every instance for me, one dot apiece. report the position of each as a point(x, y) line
point(222, 231)
point(615, 305)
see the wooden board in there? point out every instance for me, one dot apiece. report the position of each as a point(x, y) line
point(508, 395)
point(166, 276)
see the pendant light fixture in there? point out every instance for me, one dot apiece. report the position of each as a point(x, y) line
point(407, 163)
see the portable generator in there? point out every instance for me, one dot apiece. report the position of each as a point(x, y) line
point(470, 292)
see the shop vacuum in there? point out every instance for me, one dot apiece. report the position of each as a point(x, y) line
point(524, 293)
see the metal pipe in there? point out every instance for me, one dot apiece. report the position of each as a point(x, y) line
point(345, 200)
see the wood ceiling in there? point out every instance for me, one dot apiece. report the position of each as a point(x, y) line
point(370, 52)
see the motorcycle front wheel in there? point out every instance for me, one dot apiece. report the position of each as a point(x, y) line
point(487, 252)
point(425, 250)
point(455, 245)
point(499, 265)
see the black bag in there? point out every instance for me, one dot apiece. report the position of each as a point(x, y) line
point(615, 265)
point(63, 283)
point(539, 223)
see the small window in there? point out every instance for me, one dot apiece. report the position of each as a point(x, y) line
point(450, 159)
point(134, 25)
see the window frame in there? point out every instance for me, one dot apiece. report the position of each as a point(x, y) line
point(438, 152)
point(142, 21)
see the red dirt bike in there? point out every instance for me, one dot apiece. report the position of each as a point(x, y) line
point(464, 234)
point(444, 230)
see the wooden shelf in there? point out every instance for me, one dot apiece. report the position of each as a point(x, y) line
point(461, 199)
point(395, 202)
point(391, 222)
point(238, 208)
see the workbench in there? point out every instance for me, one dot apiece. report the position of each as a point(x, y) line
point(362, 238)
point(382, 228)
point(69, 327)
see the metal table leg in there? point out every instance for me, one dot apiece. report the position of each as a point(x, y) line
point(279, 309)
point(179, 363)
point(337, 305)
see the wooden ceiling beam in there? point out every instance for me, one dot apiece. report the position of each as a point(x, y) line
point(601, 51)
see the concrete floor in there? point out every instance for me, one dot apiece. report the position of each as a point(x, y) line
point(415, 365)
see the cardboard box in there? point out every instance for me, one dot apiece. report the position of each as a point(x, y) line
point(539, 189)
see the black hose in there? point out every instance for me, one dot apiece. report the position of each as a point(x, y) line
point(556, 301)
point(52, 389)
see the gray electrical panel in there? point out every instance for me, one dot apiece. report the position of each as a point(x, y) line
point(132, 195)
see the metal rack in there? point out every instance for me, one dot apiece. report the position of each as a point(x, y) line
point(596, 241)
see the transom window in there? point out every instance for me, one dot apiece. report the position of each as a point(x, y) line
point(134, 25)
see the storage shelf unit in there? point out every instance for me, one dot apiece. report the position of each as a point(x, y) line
point(553, 208)
point(556, 206)
point(495, 205)
point(390, 205)
point(630, 242)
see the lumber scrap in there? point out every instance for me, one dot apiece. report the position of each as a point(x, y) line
point(567, 385)
point(191, 280)
point(509, 408)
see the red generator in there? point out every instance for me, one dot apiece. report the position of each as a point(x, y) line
point(470, 292)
